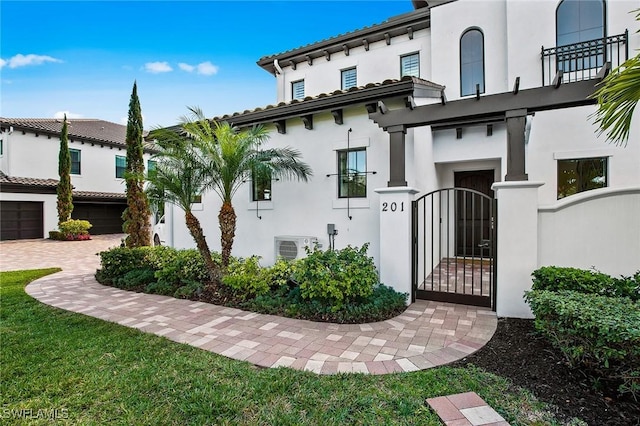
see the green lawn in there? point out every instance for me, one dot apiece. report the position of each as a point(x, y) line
point(94, 372)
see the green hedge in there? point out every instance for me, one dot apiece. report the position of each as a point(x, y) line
point(555, 278)
point(599, 333)
point(336, 277)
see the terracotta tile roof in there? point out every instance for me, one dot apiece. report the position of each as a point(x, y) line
point(337, 98)
point(93, 194)
point(88, 129)
point(394, 26)
point(5, 180)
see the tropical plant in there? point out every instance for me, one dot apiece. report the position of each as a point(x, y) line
point(230, 157)
point(136, 215)
point(64, 188)
point(178, 179)
point(617, 95)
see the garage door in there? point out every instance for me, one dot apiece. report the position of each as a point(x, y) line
point(21, 220)
point(106, 218)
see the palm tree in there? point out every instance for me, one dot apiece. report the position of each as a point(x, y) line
point(179, 177)
point(617, 97)
point(230, 157)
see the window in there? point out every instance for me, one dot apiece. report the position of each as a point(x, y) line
point(471, 62)
point(297, 89)
point(581, 175)
point(352, 173)
point(151, 168)
point(1, 147)
point(197, 199)
point(75, 161)
point(578, 21)
point(410, 65)
point(349, 78)
point(121, 166)
point(260, 188)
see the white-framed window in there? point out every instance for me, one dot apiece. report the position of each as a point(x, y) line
point(260, 188)
point(410, 65)
point(352, 173)
point(75, 161)
point(297, 89)
point(582, 174)
point(349, 78)
point(121, 166)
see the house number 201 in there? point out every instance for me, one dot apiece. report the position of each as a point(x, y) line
point(392, 206)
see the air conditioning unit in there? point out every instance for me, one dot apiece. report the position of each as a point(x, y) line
point(293, 247)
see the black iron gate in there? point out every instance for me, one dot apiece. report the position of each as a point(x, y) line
point(454, 247)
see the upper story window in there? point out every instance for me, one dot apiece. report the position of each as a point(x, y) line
point(75, 161)
point(297, 89)
point(410, 65)
point(151, 168)
point(581, 175)
point(121, 166)
point(579, 21)
point(352, 173)
point(260, 188)
point(349, 78)
point(471, 62)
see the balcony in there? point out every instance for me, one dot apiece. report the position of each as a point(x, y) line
point(582, 61)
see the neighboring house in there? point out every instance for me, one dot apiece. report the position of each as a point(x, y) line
point(29, 150)
point(488, 96)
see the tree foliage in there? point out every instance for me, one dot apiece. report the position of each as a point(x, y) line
point(136, 216)
point(64, 188)
point(617, 95)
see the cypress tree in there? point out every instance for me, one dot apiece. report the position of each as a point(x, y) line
point(136, 216)
point(64, 188)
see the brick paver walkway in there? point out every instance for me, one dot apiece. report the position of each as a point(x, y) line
point(427, 334)
point(465, 409)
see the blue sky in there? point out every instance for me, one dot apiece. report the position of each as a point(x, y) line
point(82, 57)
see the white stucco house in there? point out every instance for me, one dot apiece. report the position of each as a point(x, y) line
point(29, 174)
point(490, 97)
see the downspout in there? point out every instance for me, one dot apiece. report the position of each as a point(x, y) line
point(280, 71)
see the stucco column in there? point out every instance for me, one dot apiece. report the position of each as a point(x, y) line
point(395, 237)
point(397, 156)
point(517, 253)
point(516, 122)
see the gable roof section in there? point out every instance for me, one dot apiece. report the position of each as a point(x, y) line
point(371, 93)
point(80, 129)
point(392, 27)
point(8, 182)
point(15, 184)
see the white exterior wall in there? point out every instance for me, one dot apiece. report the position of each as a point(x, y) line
point(305, 209)
point(380, 63)
point(595, 229)
point(37, 157)
point(448, 23)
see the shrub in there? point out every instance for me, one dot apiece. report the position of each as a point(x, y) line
point(177, 267)
point(75, 227)
point(56, 235)
point(336, 276)
point(246, 277)
point(116, 262)
point(555, 278)
point(600, 333)
point(281, 273)
point(136, 279)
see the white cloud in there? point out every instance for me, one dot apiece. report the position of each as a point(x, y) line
point(186, 67)
point(70, 115)
point(203, 68)
point(157, 67)
point(21, 60)
point(207, 68)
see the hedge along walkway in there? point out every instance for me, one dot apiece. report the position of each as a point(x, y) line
point(427, 334)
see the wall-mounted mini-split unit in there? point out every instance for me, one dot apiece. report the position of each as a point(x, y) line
point(293, 247)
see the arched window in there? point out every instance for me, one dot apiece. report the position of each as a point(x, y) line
point(577, 22)
point(471, 62)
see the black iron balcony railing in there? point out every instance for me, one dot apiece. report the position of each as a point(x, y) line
point(582, 61)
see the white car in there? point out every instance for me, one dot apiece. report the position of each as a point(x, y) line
point(159, 237)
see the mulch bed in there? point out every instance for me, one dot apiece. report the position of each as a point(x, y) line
point(518, 353)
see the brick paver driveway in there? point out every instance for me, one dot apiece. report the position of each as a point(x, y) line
point(427, 334)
